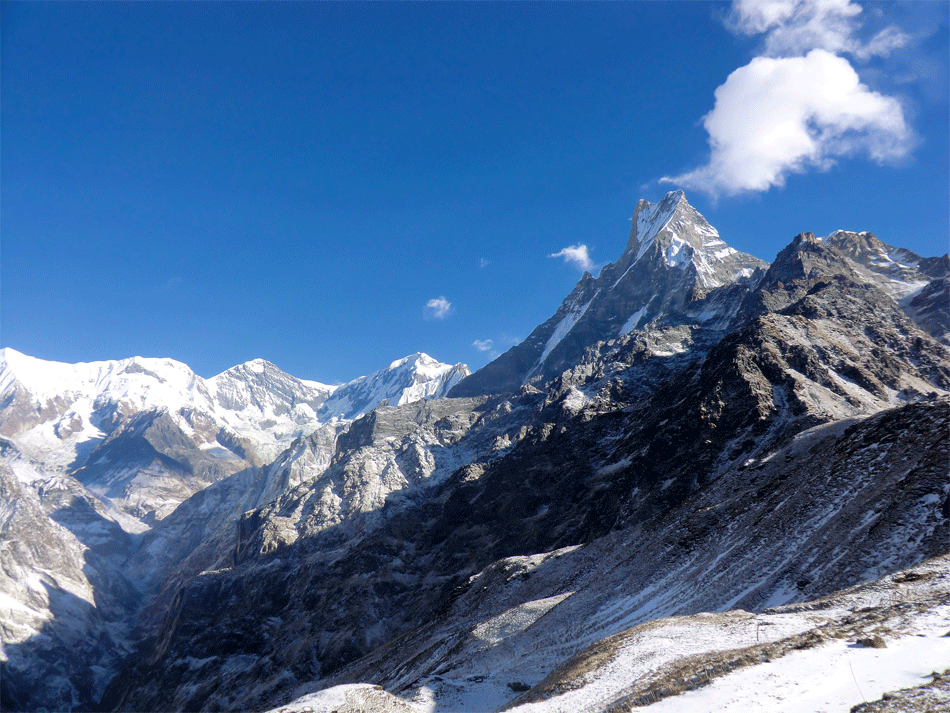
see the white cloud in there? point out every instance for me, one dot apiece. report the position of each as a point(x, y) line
point(794, 27)
point(802, 106)
point(576, 255)
point(437, 308)
point(483, 345)
point(774, 117)
point(484, 263)
point(883, 43)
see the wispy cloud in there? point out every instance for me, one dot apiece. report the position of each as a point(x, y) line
point(801, 106)
point(437, 308)
point(483, 345)
point(576, 255)
point(795, 27)
point(484, 263)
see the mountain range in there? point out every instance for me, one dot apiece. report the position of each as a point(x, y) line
point(696, 442)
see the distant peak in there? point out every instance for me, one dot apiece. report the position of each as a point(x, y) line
point(254, 366)
point(807, 237)
point(417, 358)
point(848, 239)
point(649, 219)
point(849, 233)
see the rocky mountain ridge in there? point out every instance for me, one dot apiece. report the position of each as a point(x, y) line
point(115, 425)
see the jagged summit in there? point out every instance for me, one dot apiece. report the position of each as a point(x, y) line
point(673, 260)
point(683, 235)
point(676, 269)
point(254, 366)
point(411, 378)
point(675, 234)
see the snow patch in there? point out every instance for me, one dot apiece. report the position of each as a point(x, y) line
point(633, 321)
point(566, 324)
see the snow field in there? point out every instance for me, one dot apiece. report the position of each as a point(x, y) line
point(829, 678)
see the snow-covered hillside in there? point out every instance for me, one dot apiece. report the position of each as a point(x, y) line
point(81, 418)
point(886, 639)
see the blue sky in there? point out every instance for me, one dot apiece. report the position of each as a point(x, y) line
point(334, 186)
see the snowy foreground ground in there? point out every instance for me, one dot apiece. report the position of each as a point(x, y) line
point(859, 645)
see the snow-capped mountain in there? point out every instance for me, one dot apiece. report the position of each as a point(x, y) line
point(674, 264)
point(677, 270)
point(55, 411)
point(694, 431)
point(95, 457)
point(409, 379)
point(116, 424)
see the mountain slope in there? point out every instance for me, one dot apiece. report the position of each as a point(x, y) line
point(823, 654)
point(59, 588)
point(120, 479)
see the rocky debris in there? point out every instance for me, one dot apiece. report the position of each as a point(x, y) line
point(925, 698)
point(358, 698)
point(872, 642)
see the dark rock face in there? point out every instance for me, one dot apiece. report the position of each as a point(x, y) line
point(752, 539)
point(920, 285)
point(654, 454)
point(930, 309)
